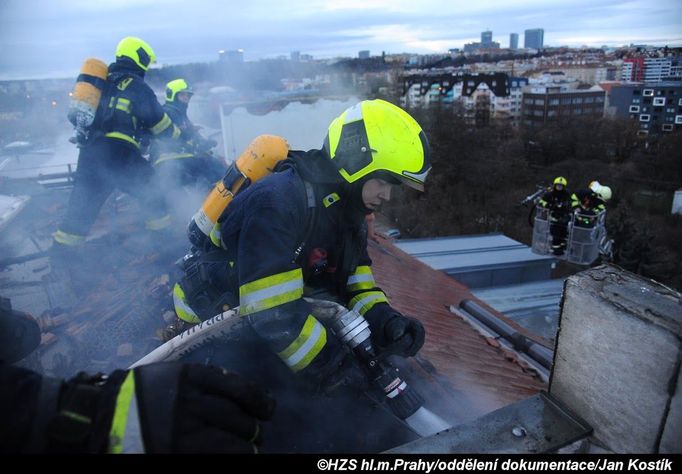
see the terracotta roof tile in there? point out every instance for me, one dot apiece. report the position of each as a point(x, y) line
point(484, 375)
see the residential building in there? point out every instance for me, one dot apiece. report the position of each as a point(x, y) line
point(514, 41)
point(542, 104)
point(656, 107)
point(632, 70)
point(364, 54)
point(534, 38)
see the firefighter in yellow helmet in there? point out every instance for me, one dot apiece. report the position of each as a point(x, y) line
point(111, 158)
point(588, 203)
point(302, 231)
point(189, 163)
point(557, 201)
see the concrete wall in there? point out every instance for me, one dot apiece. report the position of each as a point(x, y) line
point(617, 359)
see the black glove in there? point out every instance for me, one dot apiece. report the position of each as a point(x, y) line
point(181, 408)
point(393, 333)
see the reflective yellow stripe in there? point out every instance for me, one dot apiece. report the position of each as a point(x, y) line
point(365, 301)
point(306, 346)
point(182, 309)
point(119, 422)
point(271, 291)
point(330, 199)
point(123, 104)
point(163, 124)
point(176, 132)
point(158, 223)
point(123, 136)
point(362, 279)
point(215, 235)
point(172, 156)
point(65, 238)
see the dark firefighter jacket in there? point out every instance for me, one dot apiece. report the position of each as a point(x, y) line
point(558, 202)
point(164, 149)
point(129, 108)
point(587, 200)
point(260, 234)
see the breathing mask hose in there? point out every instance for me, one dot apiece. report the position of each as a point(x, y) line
point(352, 328)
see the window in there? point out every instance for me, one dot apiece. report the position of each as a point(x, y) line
point(645, 125)
point(636, 92)
point(644, 118)
point(634, 109)
point(670, 110)
point(648, 93)
point(539, 101)
point(678, 119)
point(679, 102)
point(599, 100)
point(538, 113)
point(566, 101)
point(635, 101)
point(589, 100)
point(577, 100)
point(659, 101)
point(642, 133)
point(553, 101)
point(667, 127)
point(528, 101)
point(577, 111)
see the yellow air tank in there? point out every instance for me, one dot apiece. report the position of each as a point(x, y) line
point(257, 161)
point(86, 96)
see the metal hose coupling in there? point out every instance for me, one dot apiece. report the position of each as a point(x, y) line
point(352, 328)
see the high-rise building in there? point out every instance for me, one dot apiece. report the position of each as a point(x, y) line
point(514, 41)
point(534, 38)
point(295, 56)
point(486, 39)
point(364, 54)
point(231, 56)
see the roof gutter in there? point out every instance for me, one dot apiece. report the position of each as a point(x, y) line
point(521, 343)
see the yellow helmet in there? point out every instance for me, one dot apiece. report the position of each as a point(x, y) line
point(137, 50)
point(560, 180)
point(175, 87)
point(377, 136)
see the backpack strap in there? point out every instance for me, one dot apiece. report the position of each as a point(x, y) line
point(312, 220)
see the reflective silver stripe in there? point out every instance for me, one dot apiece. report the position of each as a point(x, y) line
point(357, 278)
point(307, 346)
point(360, 305)
point(132, 440)
point(397, 391)
point(259, 296)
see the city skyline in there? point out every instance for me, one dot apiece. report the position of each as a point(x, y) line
point(42, 40)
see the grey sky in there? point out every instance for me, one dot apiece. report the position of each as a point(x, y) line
point(51, 38)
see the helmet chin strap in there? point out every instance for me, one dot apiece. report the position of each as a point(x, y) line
point(355, 203)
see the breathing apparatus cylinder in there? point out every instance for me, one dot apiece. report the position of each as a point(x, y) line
point(257, 160)
point(353, 329)
point(85, 97)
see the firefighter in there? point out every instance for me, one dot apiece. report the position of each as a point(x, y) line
point(185, 163)
point(557, 201)
point(588, 203)
point(111, 158)
point(302, 231)
point(158, 408)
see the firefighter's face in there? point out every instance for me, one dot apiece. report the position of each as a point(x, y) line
point(375, 192)
point(184, 97)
